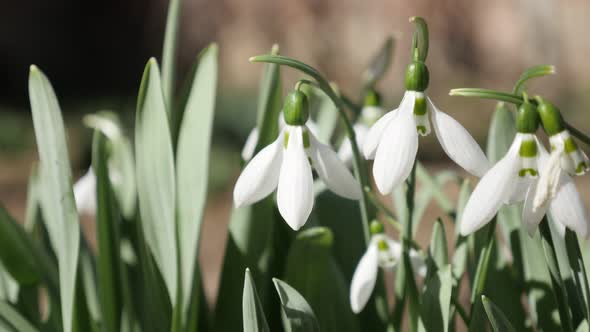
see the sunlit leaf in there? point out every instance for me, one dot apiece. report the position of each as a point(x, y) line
point(497, 318)
point(297, 315)
point(58, 203)
point(155, 176)
point(436, 301)
point(252, 312)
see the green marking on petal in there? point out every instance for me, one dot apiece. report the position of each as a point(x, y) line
point(286, 140)
point(570, 145)
point(581, 168)
point(382, 245)
point(421, 129)
point(306, 143)
point(522, 173)
point(528, 149)
point(420, 105)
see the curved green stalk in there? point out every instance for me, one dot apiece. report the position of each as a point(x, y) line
point(536, 71)
point(420, 37)
point(487, 94)
point(359, 165)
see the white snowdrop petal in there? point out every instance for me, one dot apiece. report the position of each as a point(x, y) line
point(417, 261)
point(332, 171)
point(375, 133)
point(260, 176)
point(457, 143)
point(530, 217)
point(295, 190)
point(85, 193)
point(490, 193)
point(364, 278)
point(397, 151)
point(567, 207)
point(250, 145)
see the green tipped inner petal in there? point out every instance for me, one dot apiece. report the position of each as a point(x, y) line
point(422, 130)
point(420, 105)
point(523, 172)
point(286, 139)
point(382, 245)
point(570, 145)
point(528, 149)
point(306, 143)
point(582, 167)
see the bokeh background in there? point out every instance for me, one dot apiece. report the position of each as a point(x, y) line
point(94, 54)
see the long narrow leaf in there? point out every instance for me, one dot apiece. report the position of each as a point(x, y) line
point(436, 301)
point(297, 314)
point(497, 318)
point(107, 221)
point(192, 164)
point(253, 315)
point(14, 318)
point(58, 200)
point(155, 176)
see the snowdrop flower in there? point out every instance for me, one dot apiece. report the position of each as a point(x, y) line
point(370, 113)
point(382, 252)
point(252, 140)
point(565, 154)
point(515, 179)
point(85, 193)
point(393, 140)
point(286, 164)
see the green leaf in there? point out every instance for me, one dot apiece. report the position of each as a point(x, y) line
point(155, 176)
point(501, 133)
point(269, 104)
point(192, 164)
point(438, 245)
point(380, 63)
point(9, 288)
point(252, 312)
point(16, 251)
point(436, 301)
point(58, 202)
point(107, 222)
point(320, 280)
point(497, 318)
point(14, 319)
point(169, 51)
point(297, 314)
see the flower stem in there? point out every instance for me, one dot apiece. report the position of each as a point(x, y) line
point(460, 310)
point(360, 170)
point(412, 289)
point(556, 280)
point(574, 255)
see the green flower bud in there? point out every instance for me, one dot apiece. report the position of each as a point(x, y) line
point(296, 108)
point(550, 116)
point(417, 76)
point(527, 118)
point(372, 98)
point(376, 227)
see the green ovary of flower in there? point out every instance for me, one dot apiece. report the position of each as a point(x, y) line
point(376, 227)
point(550, 116)
point(417, 76)
point(296, 108)
point(527, 118)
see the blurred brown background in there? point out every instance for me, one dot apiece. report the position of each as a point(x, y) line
point(94, 53)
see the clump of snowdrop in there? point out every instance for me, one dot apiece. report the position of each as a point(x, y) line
point(382, 252)
point(393, 140)
point(517, 177)
point(286, 165)
point(370, 113)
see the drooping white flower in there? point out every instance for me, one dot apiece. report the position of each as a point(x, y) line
point(514, 179)
point(393, 141)
point(565, 157)
point(382, 252)
point(286, 165)
point(369, 115)
point(85, 193)
point(252, 140)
